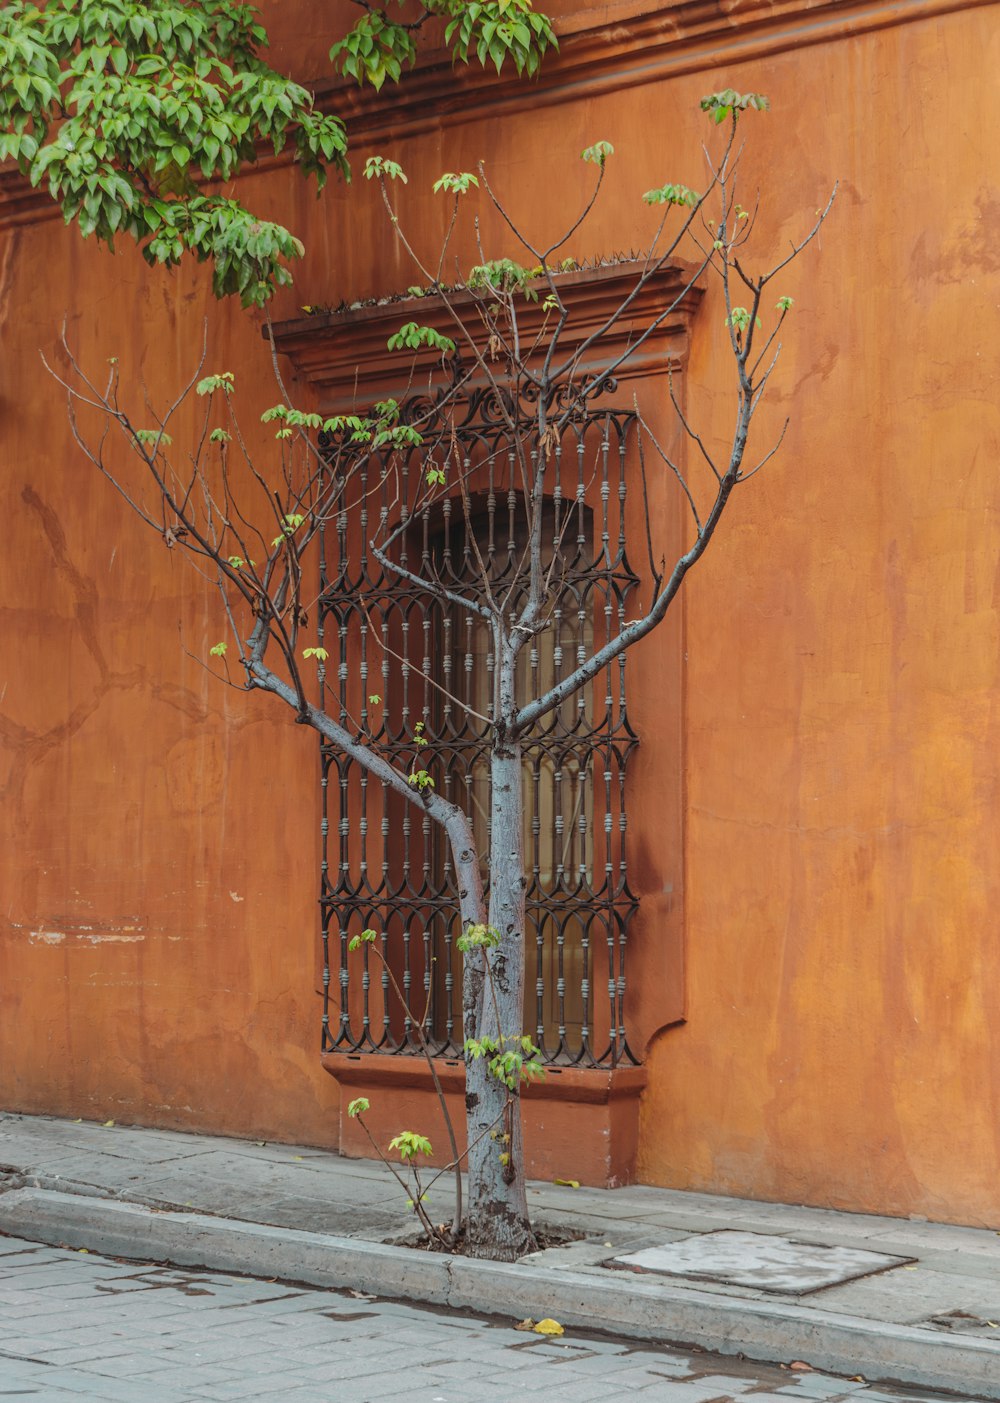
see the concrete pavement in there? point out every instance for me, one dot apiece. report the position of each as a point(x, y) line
point(931, 1318)
point(81, 1327)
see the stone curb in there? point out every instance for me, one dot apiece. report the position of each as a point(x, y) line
point(620, 1303)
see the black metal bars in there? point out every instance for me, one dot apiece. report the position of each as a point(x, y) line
point(413, 672)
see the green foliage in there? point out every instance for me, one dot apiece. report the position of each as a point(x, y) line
point(420, 779)
point(378, 432)
point(374, 699)
point(493, 32)
point(290, 524)
point(147, 436)
point(402, 436)
point(220, 436)
point(358, 1106)
point(218, 650)
point(409, 1144)
point(320, 654)
point(739, 319)
point(504, 275)
point(672, 195)
point(119, 106)
point(512, 1059)
point(226, 382)
point(478, 938)
point(456, 184)
point(367, 937)
point(487, 31)
point(784, 304)
point(379, 166)
point(123, 108)
point(412, 336)
point(496, 31)
point(598, 153)
point(375, 49)
point(729, 102)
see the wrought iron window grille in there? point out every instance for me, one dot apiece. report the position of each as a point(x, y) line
point(430, 664)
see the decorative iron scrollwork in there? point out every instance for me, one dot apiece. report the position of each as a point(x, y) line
point(426, 660)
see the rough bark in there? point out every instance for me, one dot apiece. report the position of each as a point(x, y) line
point(498, 1208)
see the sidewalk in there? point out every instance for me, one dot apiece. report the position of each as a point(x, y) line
point(930, 1315)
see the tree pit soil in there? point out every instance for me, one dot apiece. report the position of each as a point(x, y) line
point(545, 1237)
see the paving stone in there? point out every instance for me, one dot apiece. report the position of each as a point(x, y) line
point(768, 1262)
point(959, 1269)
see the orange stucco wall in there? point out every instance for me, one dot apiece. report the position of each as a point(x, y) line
point(840, 733)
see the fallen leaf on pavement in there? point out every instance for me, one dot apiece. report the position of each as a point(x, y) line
point(548, 1327)
point(802, 1367)
point(567, 1183)
point(106, 1124)
point(528, 1324)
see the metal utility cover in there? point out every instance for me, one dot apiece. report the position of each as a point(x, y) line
point(758, 1260)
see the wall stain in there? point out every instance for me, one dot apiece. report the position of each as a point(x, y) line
point(29, 748)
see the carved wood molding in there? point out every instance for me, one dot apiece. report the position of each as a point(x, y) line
point(344, 357)
point(604, 47)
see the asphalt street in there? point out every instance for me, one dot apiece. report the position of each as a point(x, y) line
point(76, 1326)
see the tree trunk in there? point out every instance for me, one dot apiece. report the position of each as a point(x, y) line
point(498, 1207)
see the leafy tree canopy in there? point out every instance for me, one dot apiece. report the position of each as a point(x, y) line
point(129, 112)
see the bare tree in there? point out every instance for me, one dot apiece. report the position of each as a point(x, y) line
point(503, 329)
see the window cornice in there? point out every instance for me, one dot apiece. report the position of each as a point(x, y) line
point(344, 357)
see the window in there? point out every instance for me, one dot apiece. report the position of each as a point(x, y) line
point(385, 865)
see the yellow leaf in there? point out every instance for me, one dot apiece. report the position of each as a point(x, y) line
point(84, 1250)
point(568, 1183)
point(296, 1156)
point(107, 1123)
point(548, 1327)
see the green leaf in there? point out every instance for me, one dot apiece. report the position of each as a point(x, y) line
point(409, 1145)
point(727, 103)
point(412, 337)
point(671, 195)
point(598, 153)
point(377, 166)
point(456, 184)
point(225, 382)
